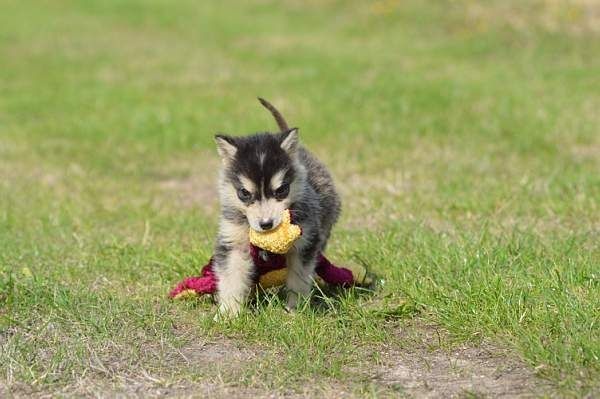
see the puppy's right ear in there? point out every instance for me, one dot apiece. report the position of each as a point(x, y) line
point(289, 141)
point(226, 147)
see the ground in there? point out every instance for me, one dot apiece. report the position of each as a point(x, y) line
point(463, 138)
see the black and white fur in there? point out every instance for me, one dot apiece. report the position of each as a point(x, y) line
point(261, 175)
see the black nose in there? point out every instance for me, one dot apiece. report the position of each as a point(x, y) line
point(266, 224)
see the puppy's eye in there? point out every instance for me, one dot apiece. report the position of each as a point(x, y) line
point(244, 195)
point(282, 191)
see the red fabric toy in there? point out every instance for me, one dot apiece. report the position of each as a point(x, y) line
point(270, 272)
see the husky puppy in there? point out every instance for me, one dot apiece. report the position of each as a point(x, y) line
point(261, 175)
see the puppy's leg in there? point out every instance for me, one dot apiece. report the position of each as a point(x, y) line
point(299, 276)
point(234, 274)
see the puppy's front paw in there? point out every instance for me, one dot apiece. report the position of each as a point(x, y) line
point(291, 301)
point(227, 311)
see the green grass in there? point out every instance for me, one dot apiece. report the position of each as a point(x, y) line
point(464, 139)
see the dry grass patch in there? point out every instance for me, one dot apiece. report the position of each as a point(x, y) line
point(425, 367)
point(573, 17)
point(191, 183)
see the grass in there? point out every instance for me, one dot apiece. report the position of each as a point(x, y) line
point(463, 137)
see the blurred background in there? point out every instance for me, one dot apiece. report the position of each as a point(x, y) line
point(435, 98)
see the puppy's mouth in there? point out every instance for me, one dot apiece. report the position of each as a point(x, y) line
point(265, 227)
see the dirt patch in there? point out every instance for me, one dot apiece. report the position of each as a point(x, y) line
point(146, 389)
point(589, 152)
point(215, 353)
point(423, 368)
point(414, 364)
point(212, 363)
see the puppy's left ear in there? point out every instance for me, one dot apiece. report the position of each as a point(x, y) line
point(289, 141)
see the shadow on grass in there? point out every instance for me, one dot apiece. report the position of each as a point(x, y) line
point(336, 300)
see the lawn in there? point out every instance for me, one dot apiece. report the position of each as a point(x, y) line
point(464, 139)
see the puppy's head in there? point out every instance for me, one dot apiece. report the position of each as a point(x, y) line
point(260, 176)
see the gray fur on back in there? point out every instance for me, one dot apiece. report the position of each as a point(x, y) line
point(320, 199)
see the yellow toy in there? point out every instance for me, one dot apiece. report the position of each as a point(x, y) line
point(280, 239)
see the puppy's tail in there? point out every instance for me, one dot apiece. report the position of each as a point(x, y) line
point(283, 126)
